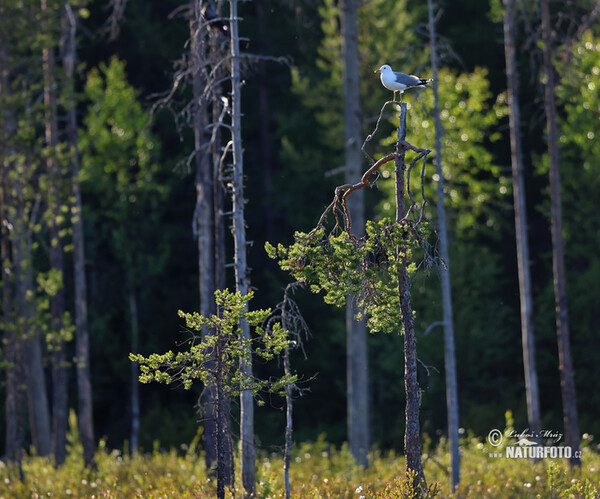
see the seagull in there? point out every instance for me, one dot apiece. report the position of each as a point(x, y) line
point(399, 82)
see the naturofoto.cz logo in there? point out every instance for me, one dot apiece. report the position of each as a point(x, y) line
point(527, 445)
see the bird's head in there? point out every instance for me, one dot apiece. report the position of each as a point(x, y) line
point(383, 69)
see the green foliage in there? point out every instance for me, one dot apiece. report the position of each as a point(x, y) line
point(339, 265)
point(224, 347)
point(119, 169)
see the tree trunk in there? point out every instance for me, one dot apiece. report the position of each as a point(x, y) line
point(520, 207)
point(219, 111)
point(82, 348)
point(356, 352)
point(221, 415)
point(57, 301)
point(412, 441)
point(135, 384)
point(241, 267)
point(203, 217)
point(449, 351)
point(567, 380)
point(287, 458)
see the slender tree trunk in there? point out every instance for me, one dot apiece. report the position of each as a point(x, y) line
point(356, 352)
point(219, 111)
point(449, 350)
point(82, 342)
point(57, 301)
point(241, 266)
point(520, 207)
point(222, 429)
point(287, 458)
point(412, 440)
point(203, 216)
point(567, 380)
point(135, 384)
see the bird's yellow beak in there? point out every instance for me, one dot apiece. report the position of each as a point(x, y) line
point(377, 71)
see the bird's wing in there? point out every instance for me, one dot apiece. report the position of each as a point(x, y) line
point(407, 80)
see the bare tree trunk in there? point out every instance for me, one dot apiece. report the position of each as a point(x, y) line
point(135, 384)
point(449, 350)
point(412, 440)
point(219, 111)
point(520, 207)
point(287, 458)
point(57, 301)
point(241, 266)
point(203, 216)
point(82, 347)
point(222, 436)
point(356, 352)
point(567, 380)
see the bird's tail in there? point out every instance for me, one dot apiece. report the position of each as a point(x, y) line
point(425, 81)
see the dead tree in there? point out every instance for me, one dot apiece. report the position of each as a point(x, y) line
point(287, 314)
point(520, 208)
point(356, 330)
point(567, 379)
point(448, 322)
point(240, 261)
point(82, 341)
point(376, 267)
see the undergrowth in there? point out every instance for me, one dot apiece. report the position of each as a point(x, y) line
point(319, 470)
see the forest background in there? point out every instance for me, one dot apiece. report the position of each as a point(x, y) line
point(139, 196)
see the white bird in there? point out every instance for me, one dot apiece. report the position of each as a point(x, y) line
point(399, 82)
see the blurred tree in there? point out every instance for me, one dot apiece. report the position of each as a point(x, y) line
point(567, 379)
point(25, 181)
point(120, 179)
point(520, 209)
point(578, 94)
point(85, 418)
point(356, 330)
point(55, 202)
point(442, 229)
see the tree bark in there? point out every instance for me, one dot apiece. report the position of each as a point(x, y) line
point(356, 352)
point(449, 350)
point(520, 208)
point(567, 380)
point(412, 440)
point(82, 348)
point(241, 266)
